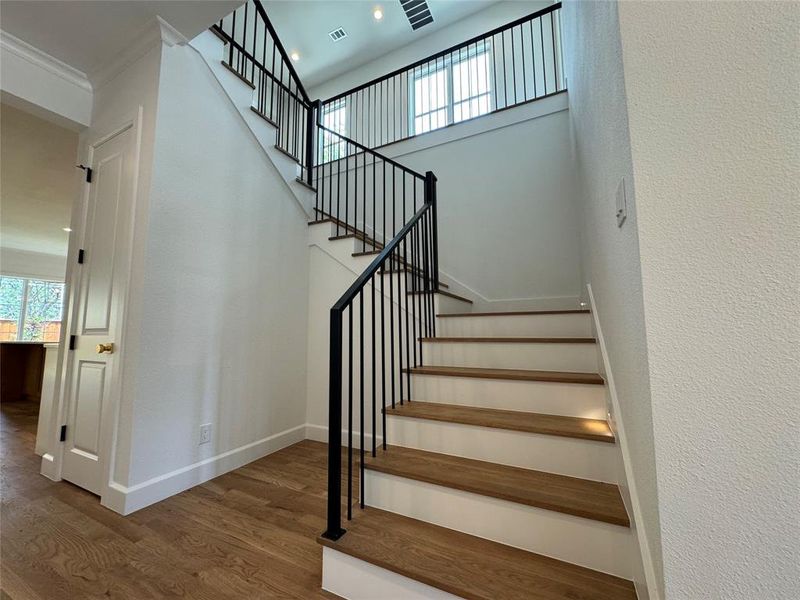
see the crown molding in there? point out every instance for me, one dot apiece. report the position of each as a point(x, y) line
point(42, 60)
point(155, 33)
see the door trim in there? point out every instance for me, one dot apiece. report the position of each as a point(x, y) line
point(52, 461)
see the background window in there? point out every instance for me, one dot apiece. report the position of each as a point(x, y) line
point(30, 309)
point(334, 117)
point(457, 90)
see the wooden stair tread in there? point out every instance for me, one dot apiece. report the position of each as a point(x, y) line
point(510, 374)
point(507, 340)
point(516, 313)
point(560, 493)
point(573, 427)
point(469, 566)
point(265, 117)
point(443, 293)
point(239, 75)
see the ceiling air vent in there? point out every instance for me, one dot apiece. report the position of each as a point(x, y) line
point(417, 12)
point(337, 34)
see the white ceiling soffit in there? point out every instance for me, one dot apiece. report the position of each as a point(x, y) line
point(86, 33)
point(304, 26)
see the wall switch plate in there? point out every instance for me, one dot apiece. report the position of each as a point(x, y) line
point(622, 203)
point(205, 433)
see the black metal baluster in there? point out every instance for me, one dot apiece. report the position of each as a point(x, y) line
point(349, 417)
point(514, 64)
point(383, 353)
point(374, 397)
point(544, 61)
point(361, 393)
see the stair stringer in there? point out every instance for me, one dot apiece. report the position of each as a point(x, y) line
point(211, 48)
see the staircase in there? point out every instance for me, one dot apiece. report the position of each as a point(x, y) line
point(469, 453)
point(500, 478)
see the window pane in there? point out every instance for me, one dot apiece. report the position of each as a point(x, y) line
point(11, 292)
point(43, 311)
point(334, 117)
point(430, 101)
point(471, 87)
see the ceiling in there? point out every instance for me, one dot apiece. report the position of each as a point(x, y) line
point(37, 182)
point(304, 25)
point(86, 33)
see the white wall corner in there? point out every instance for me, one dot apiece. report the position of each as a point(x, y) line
point(644, 572)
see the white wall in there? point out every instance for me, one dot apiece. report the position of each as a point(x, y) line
point(610, 255)
point(714, 116)
point(696, 105)
point(508, 232)
point(224, 289)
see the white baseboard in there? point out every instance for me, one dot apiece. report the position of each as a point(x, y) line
point(319, 433)
point(644, 573)
point(48, 467)
point(126, 500)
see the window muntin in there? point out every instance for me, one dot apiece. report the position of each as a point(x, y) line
point(431, 100)
point(30, 309)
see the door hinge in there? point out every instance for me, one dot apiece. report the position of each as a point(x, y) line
point(80, 256)
point(72, 340)
point(88, 172)
point(63, 436)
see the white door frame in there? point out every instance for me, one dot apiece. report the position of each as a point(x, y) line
point(52, 460)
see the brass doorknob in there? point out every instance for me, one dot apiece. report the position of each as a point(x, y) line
point(109, 348)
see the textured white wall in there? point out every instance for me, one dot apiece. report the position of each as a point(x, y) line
point(714, 114)
point(593, 61)
point(224, 292)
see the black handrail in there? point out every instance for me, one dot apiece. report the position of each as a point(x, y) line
point(507, 66)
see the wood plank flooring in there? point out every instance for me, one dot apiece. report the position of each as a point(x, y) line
point(248, 534)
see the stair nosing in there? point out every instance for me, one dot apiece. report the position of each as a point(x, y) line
point(509, 375)
point(518, 313)
point(508, 340)
point(397, 411)
point(241, 77)
point(492, 492)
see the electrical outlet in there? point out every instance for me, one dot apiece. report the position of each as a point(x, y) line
point(205, 433)
point(622, 203)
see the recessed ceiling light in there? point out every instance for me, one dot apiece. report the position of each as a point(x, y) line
point(67, 229)
point(295, 56)
point(378, 14)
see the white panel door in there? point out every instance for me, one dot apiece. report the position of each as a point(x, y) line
point(97, 311)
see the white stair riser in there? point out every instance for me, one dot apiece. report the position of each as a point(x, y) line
point(568, 399)
point(593, 544)
point(558, 325)
point(586, 459)
point(543, 356)
point(356, 579)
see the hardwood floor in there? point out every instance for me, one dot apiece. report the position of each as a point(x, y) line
point(248, 534)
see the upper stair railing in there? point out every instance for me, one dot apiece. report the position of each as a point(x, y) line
point(516, 63)
point(256, 55)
